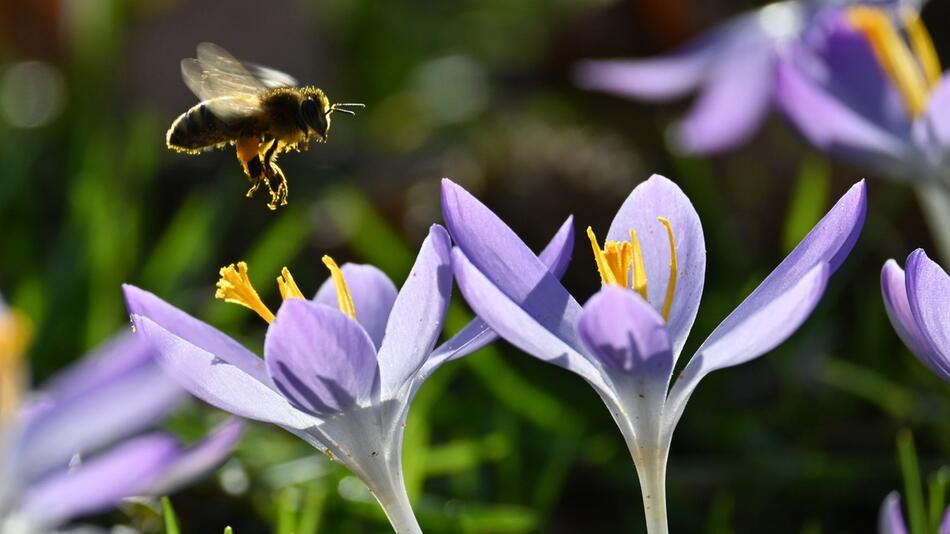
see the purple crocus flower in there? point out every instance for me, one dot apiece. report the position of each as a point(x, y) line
point(340, 370)
point(891, 519)
point(56, 462)
point(918, 304)
point(861, 88)
point(733, 66)
point(625, 340)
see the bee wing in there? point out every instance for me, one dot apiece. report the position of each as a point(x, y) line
point(272, 78)
point(215, 76)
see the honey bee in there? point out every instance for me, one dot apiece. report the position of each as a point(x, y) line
point(262, 111)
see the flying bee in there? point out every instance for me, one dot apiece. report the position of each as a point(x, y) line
point(261, 111)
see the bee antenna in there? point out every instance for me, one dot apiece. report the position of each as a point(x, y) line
point(350, 104)
point(341, 110)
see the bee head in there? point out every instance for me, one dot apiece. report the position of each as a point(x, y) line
point(316, 114)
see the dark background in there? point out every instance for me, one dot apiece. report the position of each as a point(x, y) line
point(801, 440)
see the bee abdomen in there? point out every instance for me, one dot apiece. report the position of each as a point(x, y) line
point(196, 130)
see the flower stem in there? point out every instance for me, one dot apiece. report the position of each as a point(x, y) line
point(651, 470)
point(395, 503)
point(935, 203)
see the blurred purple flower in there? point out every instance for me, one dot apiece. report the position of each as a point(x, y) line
point(733, 66)
point(339, 371)
point(55, 459)
point(891, 520)
point(625, 340)
point(918, 304)
point(861, 88)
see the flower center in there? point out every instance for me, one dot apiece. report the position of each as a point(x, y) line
point(910, 61)
point(235, 287)
point(616, 260)
point(15, 335)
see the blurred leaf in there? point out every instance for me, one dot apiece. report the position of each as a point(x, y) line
point(872, 386)
point(287, 502)
point(809, 201)
point(184, 246)
point(314, 501)
point(937, 497)
point(499, 519)
point(227, 530)
point(171, 520)
point(913, 492)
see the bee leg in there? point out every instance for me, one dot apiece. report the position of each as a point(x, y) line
point(278, 197)
point(255, 173)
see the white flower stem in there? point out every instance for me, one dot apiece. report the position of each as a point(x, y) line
point(935, 203)
point(651, 470)
point(395, 503)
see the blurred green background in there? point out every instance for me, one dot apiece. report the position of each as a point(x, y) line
point(802, 440)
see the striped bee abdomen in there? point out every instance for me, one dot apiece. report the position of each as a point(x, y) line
point(198, 129)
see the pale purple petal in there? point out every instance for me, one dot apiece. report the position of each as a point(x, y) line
point(626, 334)
point(944, 527)
point(756, 330)
point(733, 104)
point(476, 334)
point(659, 197)
point(894, 291)
point(418, 315)
point(198, 333)
point(800, 277)
point(117, 392)
point(936, 118)
point(373, 296)
point(834, 127)
point(663, 78)
point(199, 459)
point(518, 326)
point(494, 249)
point(890, 518)
point(219, 382)
point(928, 292)
point(669, 76)
point(99, 484)
point(322, 361)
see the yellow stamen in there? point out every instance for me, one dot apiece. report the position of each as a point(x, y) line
point(922, 44)
point(674, 268)
point(639, 270)
point(343, 298)
point(894, 55)
point(613, 261)
point(235, 287)
point(287, 285)
point(16, 331)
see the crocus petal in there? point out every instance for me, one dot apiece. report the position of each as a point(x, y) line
point(658, 79)
point(476, 334)
point(198, 333)
point(198, 459)
point(733, 104)
point(626, 334)
point(114, 394)
point(894, 291)
point(373, 296)
point(418, 315)
point(219, 382)
point(890, 518)
point(937, 116)
point(800, 274)
point(518, 326)
point(832, 126)
point(122, 472)
point(928, 292)
point(322, 361)
point(493, 248)
point(659, 197)
point(666, 77)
